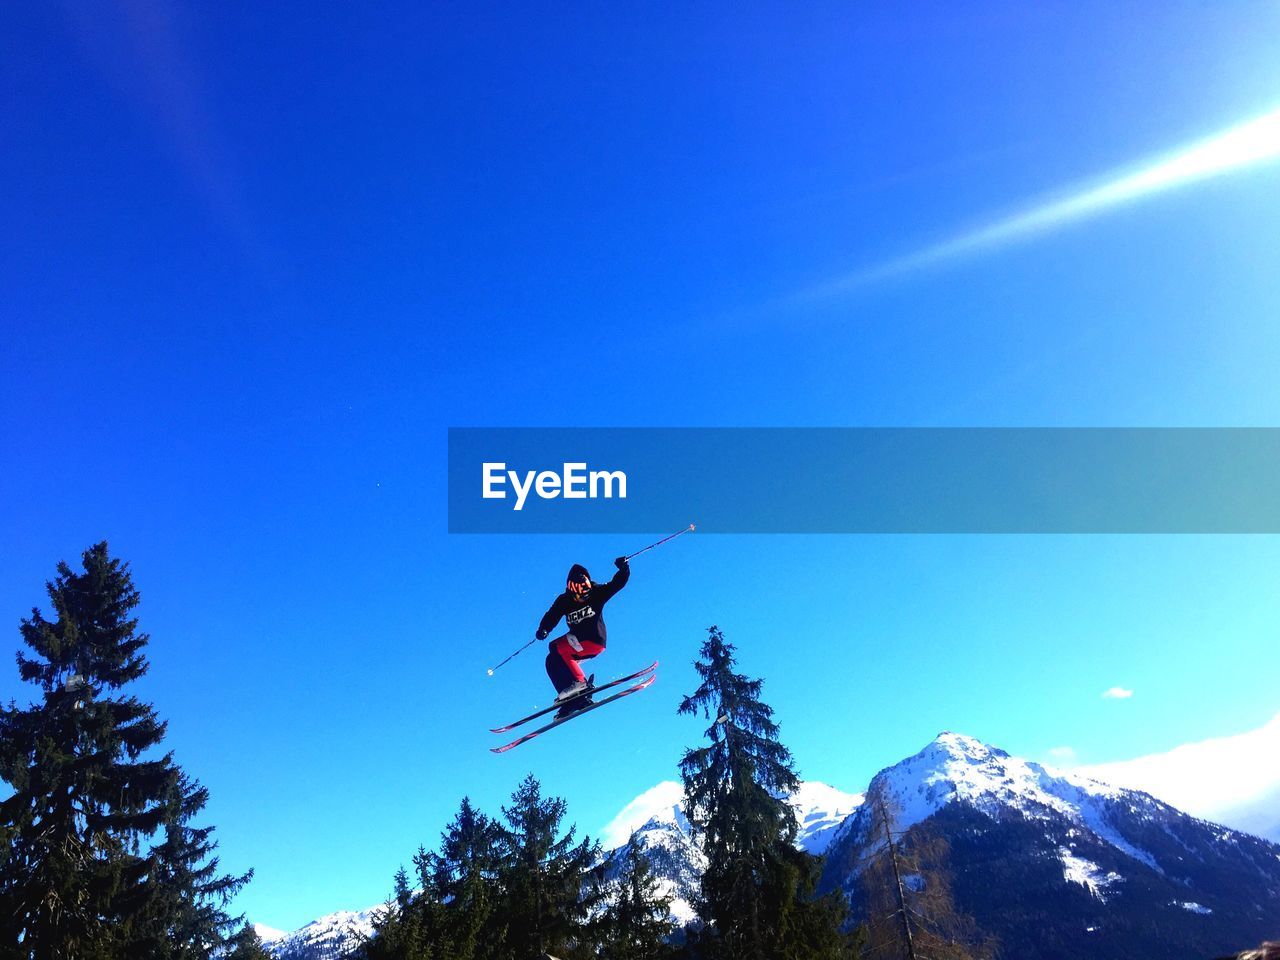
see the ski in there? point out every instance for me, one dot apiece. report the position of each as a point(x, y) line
point(577, 713)
point(556, 706)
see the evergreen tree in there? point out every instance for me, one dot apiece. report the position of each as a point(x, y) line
point(463, 875)
point(185, 917)
point(89, 791)
point(406, 929)
point(548, 885)
point(757, 896)
point(246, 945)
point(453, 913)
point(637, 921)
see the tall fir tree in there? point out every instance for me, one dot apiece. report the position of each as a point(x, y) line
point(637, 923)
point(757, 893)
point(89, 791)
point(408, 927)
point(453, 914)
point(185, 916)
point(549, 884)
point(247, 945)
point(463, 875)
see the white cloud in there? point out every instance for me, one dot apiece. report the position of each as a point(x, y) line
point(657, 799)
point(1062, 755)
point(1247, 144)
point(1226, 779)
point(1117, 693)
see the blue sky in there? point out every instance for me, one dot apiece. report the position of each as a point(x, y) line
point(257, 260)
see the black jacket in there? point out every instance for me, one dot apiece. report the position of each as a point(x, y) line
point(585, 617)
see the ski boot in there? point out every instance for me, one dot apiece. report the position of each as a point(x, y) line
point(578, 696)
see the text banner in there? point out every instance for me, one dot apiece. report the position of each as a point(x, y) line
point(865, 480)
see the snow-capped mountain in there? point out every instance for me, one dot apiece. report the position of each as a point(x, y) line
point(678, 861)
point(328, 938)
point(820, 810)
point(1054, 864)
point(269, 935)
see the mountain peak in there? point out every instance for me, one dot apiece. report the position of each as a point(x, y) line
point(957, 767)
point(961, 745)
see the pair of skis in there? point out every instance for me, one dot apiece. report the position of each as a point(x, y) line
point(645, 678)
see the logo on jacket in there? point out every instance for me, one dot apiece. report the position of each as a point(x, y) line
point(577, 616)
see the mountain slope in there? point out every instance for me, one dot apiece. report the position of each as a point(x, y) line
point(678, 861)
point(1057, 865)
point(330, 937)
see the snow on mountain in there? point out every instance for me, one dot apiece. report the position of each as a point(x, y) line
point(677, 859)
point(1056, 864)
point(657, 801)
point(1086, 873)
point(268, 935)
point(328, 938)
point(668, 843)
point(820, 810)
point(958, 768)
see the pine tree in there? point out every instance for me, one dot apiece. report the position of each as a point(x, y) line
point(185, 917)
point(757, 891)
point(407, 929)
point(637, 921)
point(247, 945)
point(89, 791)
point(463, 875)
point(548, 884)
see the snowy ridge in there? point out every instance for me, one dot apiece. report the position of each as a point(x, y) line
point(268, 935)
point(954, 767)
point(957, 768)
point(677, 859)
point(328, 938)
point(820, 810)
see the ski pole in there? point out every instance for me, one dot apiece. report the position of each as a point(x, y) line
point(687, 529)
point(521, 650)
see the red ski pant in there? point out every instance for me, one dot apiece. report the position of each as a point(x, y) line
point(562, 661)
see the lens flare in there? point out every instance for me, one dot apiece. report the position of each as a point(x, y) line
point(1246, 145)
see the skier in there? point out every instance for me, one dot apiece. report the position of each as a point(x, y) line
point(582, 606)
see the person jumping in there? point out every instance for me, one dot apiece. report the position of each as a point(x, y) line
point(582, 607)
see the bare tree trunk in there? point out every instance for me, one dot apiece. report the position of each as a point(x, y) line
point(897, 879)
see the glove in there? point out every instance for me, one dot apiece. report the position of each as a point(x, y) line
point(574, 642)
point(620, 563)
point(541, 634)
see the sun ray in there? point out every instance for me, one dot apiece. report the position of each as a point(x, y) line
point(1248, 144)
